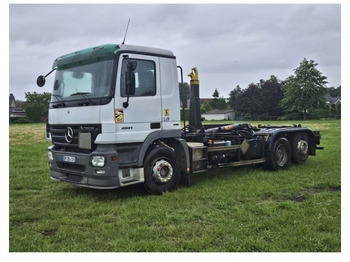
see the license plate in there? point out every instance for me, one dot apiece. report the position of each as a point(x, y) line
point(70, 159)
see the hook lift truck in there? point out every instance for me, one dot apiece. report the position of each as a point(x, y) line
point(114, 121)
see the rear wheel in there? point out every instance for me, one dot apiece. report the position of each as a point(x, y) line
point(161, 170)
point(280, 155)
point(300, 148)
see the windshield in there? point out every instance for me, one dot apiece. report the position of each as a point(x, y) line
point(83, 82)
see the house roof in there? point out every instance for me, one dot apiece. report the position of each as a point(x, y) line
point(333, 99)
point(206, 99)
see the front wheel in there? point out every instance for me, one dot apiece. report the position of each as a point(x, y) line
point(161, 170)
point(280, 155)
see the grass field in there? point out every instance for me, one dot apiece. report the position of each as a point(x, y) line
point(232, 209)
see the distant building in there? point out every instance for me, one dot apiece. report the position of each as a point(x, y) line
point(334, 101)
point(15, 110)
point(219, 115)
point(12, 103)
point(201, 101)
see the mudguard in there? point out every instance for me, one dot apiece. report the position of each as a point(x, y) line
point(274, 133)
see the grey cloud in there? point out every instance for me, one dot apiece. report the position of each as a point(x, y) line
point(230, 44)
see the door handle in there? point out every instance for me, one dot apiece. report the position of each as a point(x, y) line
point(155, 125)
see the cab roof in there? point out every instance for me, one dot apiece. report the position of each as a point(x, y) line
point(105, 52)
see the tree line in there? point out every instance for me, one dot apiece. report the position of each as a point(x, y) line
point(303, 93)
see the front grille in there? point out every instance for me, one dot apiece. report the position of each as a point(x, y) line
point(71, 167)
point(58, 136)
point(59, 139)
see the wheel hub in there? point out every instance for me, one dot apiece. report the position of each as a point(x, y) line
point(162, 171)
point(302, 147)
point(281, 155)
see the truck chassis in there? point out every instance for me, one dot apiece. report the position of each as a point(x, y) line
point(275, 147)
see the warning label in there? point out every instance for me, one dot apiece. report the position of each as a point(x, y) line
point(166, 112)
point(119, 115)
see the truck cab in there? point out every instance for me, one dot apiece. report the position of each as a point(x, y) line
point(110, 104)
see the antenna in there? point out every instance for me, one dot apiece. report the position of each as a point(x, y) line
point(126, 31)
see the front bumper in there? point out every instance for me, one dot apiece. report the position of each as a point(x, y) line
point(82, 173)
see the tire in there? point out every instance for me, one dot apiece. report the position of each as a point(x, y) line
point(161, 171)
point(300, 148)
point(280, 155)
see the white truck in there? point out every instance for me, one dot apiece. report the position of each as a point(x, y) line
point(114, 121)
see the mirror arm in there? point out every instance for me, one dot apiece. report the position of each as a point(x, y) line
point(126, 104)
point(41, 79)
point(50, 72)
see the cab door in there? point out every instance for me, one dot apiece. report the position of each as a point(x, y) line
point(142, 116)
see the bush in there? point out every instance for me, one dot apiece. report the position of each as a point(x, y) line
point(187, 114)
point(36, 106)
point(34, 112)
point(22, 120)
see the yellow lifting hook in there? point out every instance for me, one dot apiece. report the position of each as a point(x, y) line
point(194, 76)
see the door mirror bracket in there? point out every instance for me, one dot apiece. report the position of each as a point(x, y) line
point(129, 79)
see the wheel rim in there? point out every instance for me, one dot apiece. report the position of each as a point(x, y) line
point(281, 155)
point(162, 171)
point(302, 147)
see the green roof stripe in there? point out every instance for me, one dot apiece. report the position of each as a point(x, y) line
point(102, 52)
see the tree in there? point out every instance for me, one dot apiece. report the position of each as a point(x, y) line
point(221, 103)
point(36, 106)
point(216, 93)
point(334, 92)
point(262, 98)
point(187, 92)
point(218, 102)
point(305, 91)
point(232, 99)
point(271, 95)
point(206, 106)
point(248, 101)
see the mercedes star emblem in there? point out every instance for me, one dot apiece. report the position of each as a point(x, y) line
point(69, 134)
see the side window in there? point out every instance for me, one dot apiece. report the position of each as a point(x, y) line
point(145, 78)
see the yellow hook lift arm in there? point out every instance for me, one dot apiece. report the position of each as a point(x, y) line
point(194, 76)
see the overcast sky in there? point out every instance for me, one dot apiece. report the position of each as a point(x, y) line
point(230, 44)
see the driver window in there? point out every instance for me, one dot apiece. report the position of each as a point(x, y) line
point(145, 78)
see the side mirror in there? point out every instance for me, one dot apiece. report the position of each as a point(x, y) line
point(130, 78)
point(40, 81)
point(131, 84)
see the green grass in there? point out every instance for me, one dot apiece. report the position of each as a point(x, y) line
point(232, 209)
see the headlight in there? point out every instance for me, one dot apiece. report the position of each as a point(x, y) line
point(50, 155)
point(98, 161)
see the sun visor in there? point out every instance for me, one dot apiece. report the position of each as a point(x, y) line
point(89, 55)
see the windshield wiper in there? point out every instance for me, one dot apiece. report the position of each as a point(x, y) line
point(59, 99)
point(85, 95)
point(80, 93)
